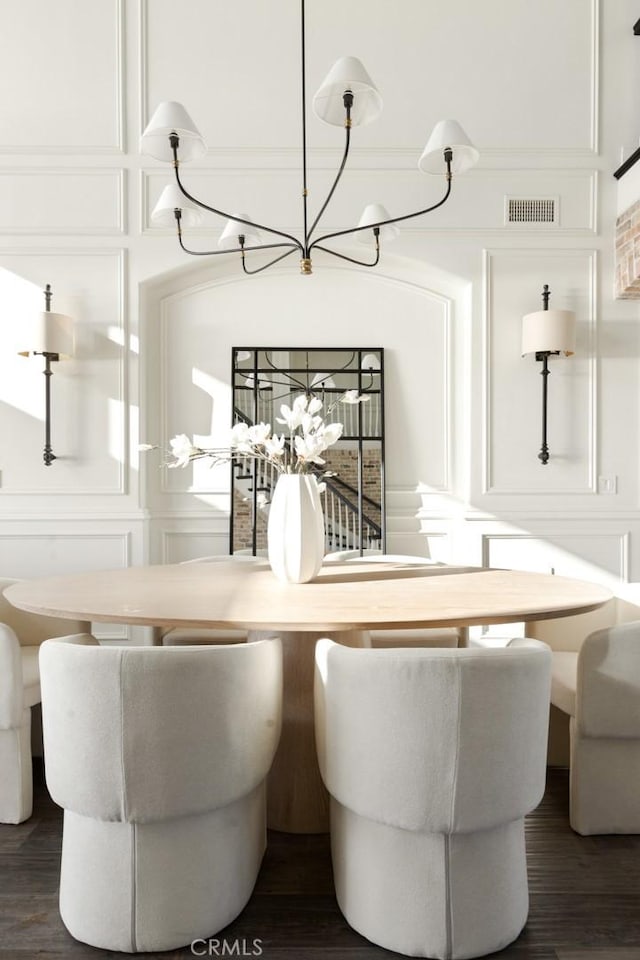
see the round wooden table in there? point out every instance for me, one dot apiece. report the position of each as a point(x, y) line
point(344, 600)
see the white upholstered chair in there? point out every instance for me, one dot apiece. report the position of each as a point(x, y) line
point(599, 688)
point(21, 634)
point(432, 759)
point(421, 637)
point(159, 757)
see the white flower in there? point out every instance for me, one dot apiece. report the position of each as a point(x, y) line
point(240, 439)
point(308, 447)
point(183, 450)
point(146, 446)
point(259, 432)
point(308, 436)
point(352, 396)
point(292, 416)
point(274, 446)
point(330, 433)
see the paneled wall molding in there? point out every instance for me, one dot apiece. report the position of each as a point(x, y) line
point(478, 213)
point(553, 515)
point(31, 554)
point(555, 548)
point(586, 354)
point(116, 145)
point(494, 161)
point(58, 181)
point(214, 518)
point(41, 516)
point(167, 309)
point(255, 156)
point(173, 544)
point(54, 482)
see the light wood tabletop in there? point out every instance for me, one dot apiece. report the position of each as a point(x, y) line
point(344, 596)
point(345, 600)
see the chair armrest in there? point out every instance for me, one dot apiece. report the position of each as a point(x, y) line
point(11, 687)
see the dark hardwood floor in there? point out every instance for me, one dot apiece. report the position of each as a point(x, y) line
point(585, 895)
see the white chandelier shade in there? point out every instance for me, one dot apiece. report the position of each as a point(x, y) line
point(348, 73)
point(448, 134)
point(171, 117)
point(170, 200)
point(374, 213)
point(324, 380)
point(370, 362)
point(347, 97)
point(234, 229)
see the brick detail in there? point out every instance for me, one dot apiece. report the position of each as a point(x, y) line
point(627, 278)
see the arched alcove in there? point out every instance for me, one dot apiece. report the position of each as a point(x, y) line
point(191, 319)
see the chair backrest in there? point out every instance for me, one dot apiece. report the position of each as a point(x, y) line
point(608, 683)
point(32, 628)
point(441, 740)
point(140, 734)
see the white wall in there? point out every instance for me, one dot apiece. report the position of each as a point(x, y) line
point(545, 90)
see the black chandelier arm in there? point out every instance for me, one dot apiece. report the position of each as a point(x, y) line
point(287, 253)
point(174, 139)
point(298, 383)
point(361, 263)
point(217, 253)
point(383, 223)
point(339, 173)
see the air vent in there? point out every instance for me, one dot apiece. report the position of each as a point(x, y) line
point(531, 210)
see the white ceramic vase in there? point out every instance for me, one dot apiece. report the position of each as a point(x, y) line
point(295, 531)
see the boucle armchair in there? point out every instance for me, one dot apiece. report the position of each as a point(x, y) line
point(432, 759)
point(599, 688)
point(21, 634)
point(158, 756)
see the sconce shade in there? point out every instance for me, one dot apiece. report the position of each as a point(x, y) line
point(549, 330)
point(233, 230)
point(242, 355)
point(347, 73)
point(47, 332)
point(374, 213)
point(370, 362)
point(448, 133)
point(169, 199)
point(324, 380)
point(171, 117)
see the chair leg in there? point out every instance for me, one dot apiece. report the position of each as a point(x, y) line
point(16, 775)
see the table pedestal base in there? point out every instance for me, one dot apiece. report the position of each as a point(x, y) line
point(297, 801)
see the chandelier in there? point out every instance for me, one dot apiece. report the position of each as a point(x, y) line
point(347, 97)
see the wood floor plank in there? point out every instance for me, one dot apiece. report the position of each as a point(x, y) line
point(584, 895)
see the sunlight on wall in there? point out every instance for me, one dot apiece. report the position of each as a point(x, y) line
point(117, 335)
point(115, 421)
point(21, 380)
point(210, 386)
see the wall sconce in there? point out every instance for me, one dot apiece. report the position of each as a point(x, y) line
point(548, 333)
point(50, 335)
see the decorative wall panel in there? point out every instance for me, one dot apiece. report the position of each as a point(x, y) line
point(61, 70)
point(88, 391)
point(513, 386)
point(73, 201)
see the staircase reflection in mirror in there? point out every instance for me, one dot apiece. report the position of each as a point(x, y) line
point(265, 378)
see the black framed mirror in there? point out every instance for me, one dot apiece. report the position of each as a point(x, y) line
point(263, 379)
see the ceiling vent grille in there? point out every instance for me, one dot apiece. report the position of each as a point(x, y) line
point(542, 211)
